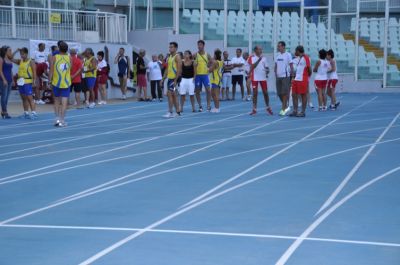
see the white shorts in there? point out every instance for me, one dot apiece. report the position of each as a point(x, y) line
point(226, 81)
point(186, 86)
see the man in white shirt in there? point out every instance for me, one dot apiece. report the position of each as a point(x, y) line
point(40, 58)
point(154, 75)
point(237, 72)
point(283, 65)
point(226, 76)
point(259, 70)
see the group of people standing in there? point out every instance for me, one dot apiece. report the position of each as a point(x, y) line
point(63, 71)
point(188, 73)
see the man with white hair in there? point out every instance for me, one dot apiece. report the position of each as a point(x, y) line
point(141, 76)
point(155, 76)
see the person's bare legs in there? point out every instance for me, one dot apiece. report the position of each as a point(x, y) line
point(63, 108)
point(78, 99)
point(208, 95)
point(103, 92)
point(266, 97)
point(242, 90)
point(192, 102)
point(31, 103)
point(175, 102)
point(57, 106)
point(183, 99)
point(215, 95)
point(255, 98)
point(198, 96)
point(304, 102)
point(295, 98)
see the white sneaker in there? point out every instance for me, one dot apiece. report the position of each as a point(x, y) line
point(215, 110)
point(123, 97)
point(92, 105)
point(41, 102)
point(168, 115)
point(104, 102)
point(311, 105)
point(248, 98)
point(286, 111)
point(100, 103)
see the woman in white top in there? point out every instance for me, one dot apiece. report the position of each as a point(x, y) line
point(321, 79)
point(332, 80)
point(154, 74)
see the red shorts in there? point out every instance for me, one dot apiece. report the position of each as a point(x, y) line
point(263, 84)
point(320, 84)
point(332, 83)
point(299, 87)
point(41, 68)
point(141, 81)
point(102, 79)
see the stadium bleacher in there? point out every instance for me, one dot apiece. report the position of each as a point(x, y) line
point(315, 37)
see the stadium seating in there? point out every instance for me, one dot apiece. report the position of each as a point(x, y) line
point(315, 36)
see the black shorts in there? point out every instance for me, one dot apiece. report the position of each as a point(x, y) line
point(237, 79)
point(77, 87)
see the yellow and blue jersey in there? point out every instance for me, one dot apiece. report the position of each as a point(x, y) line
point(215, 75)
point(202, 64)
point(172, 71)
point(25, 71)
point(62, 71)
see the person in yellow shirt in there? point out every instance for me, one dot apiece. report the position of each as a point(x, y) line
point(202, 62)
point(60, 79)
point(90, 74)
point(215, 76)
point(26, 80)
point(172, 74)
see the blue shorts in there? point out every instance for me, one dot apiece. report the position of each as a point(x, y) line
point(25, 89)
point(214, 86)
point(170, 85)
point(61, 92)
point(202, 80)
point(90, 82)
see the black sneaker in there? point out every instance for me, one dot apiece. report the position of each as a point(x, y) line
point(201, 109)
point(301, 115)
point(293, 114)
point(337, 104)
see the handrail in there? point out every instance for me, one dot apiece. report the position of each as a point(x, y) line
point(63, 10)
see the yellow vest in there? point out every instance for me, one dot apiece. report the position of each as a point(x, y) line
point(216, 74)
point(25, 71)
point(202, 64)
point(172, 71)
point(87, 65)
point(62, 71)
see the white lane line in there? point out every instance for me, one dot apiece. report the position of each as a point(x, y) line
point(79, 138)
point(289, 252)
point(357, 166)
point(94, 135)
point(177, 147)
point(196, 204)
point(172, 159)
point(91, 146)
point(79, 126)
point(117, 148)
point(62, 201)
point(237, 176)
point(40, 121)
point(202, 233)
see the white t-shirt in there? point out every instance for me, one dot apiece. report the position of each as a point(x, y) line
point(260, 72)
point(101, 64)
point(322, 71)
point(300, 66)
point(332, 75)
point(238, 70)
point(154, 71)
point(283, 61)
point(40, 57)
point(227, 62)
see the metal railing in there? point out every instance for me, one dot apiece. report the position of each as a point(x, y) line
point(56, 24)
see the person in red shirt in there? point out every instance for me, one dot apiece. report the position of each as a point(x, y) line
point(300, 75)
point(76, 76)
